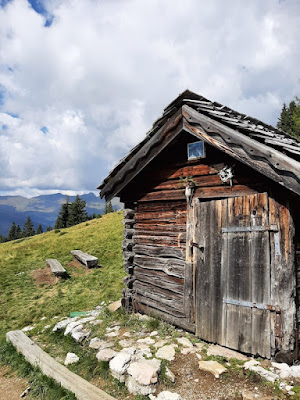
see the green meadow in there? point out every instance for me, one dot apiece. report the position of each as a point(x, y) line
point(24, 299)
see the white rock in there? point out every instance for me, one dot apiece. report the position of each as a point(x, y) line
point(166, 395)
point(142, 316)
point(119, 364)
point(47, 326)
point(97, 344)
point(185, 342)
point(166, 352)
point(111, 334)
point(160, 343)
point(28, 328)
point(86, 319)
point(125, 342)
point(213, 367)
point(129, 350)
point(79, 333)
point(170, 375)
point(71, 358)
point(143, 349)
point(127, 334)
point(153, 333)
point(43, 318)
point(288, 388)
point(251, 363)
point(144, 372)
point(72, 325)
point(115, 328)
point(114, 306)
point(106, 354)
point(268, 375)
point(146, 340)
point(199, 346)
point(135, 388)
point(62, 324)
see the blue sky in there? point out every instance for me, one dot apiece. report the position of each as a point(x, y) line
point(82, 81)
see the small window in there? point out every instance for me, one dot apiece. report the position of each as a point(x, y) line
point(196, 150)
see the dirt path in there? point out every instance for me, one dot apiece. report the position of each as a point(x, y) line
point(11, 386)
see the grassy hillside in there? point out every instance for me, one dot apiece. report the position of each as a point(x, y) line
point(25, 297)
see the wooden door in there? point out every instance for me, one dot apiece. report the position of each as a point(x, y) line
point(232, 272)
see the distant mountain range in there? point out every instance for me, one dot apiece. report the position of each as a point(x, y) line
point(43, 209)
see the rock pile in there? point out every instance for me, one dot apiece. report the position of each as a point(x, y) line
point(138, 363)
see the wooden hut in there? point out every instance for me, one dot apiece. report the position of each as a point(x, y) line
point(212, 226)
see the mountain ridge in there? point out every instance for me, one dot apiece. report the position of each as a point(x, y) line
point(43, 209)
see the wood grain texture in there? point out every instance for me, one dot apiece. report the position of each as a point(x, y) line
point(232, 268)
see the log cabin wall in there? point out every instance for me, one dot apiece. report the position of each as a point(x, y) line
point(157, 248)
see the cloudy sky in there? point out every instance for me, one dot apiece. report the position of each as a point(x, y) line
point(82, 81)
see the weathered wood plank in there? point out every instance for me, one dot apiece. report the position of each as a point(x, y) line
point(260, 276)
point(157, 226)
point(86, 259)
point(159, 279)
point(162, 206)
point(158, 240)
point(170, 266)
point(160, 251)
point(179, 236)
point(283, 275)
point(207, 192)
point(171, 216)
point(173, 301)
point(138, 297)
point(189, 307)
point(56, 268)
point(180, 322)
point(82, 389)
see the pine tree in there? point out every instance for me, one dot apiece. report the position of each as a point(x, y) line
point(39, 229)
point(289, 120)
point(2, 239)
point(77, 212)
point(63, 215)
point(18, 232)
point(108, 208)
point(12, 232)
point(49, 228)
point(28, 229)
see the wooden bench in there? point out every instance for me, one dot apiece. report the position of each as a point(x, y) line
point(86, 259)
point(56, 268)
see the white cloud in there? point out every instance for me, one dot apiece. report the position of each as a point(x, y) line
point(103, 71)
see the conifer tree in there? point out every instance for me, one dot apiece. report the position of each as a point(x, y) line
point(77, 212)
point(18, 232)
point(12, 232)
point(39, 229)
point(63, 215)
point(28, 229)
point(108, 207)
point(2, 239)
point(289, 120)
point(49, 228)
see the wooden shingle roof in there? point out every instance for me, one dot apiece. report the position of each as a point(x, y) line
point(262, 146)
